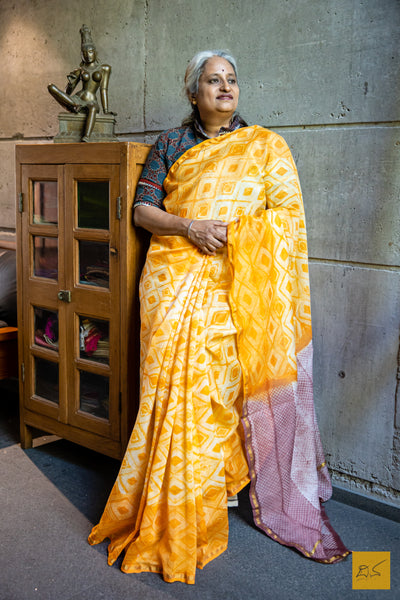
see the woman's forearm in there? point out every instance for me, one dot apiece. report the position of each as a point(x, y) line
point(208, 235)
point(160, 222)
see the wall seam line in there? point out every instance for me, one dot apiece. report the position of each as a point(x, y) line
point(359, 265)
point(150, 132)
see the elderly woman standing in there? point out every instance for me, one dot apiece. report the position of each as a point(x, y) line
point(226, 349)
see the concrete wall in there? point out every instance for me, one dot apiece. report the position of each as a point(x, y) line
point(325, 75)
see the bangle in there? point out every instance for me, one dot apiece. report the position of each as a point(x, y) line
point(188, 229)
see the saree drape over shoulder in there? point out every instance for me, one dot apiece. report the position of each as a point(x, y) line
point(226, 371)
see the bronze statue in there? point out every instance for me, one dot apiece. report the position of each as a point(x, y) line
point(93, 76)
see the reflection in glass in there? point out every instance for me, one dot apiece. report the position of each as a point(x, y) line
point(94, 263)
point(46, 379)
point(94, 339)
point(93, 204)
point(46, 328)
point(45, 260)
point(94, 394)
point(45, 205)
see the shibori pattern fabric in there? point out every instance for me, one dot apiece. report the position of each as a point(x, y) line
point(271, 307)
point(223, 337)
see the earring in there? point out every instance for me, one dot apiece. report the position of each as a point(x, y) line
point(194, 101)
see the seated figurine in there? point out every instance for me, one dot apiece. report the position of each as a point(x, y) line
point(92, 75)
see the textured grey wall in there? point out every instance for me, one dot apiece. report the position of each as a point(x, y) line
point(322, 73)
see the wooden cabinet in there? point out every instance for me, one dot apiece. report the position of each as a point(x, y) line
point(79, 260)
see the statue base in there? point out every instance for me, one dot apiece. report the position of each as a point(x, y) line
point(71, 128)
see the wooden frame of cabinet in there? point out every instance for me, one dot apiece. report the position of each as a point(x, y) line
point(59, 292)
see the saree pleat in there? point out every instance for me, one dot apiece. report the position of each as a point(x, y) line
point(222, 337)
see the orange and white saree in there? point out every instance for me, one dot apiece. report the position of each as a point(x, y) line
point(226, 371)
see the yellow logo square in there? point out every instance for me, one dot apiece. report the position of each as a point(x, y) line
point(371, 570)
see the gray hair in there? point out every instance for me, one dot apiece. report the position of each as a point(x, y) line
point(196, 67)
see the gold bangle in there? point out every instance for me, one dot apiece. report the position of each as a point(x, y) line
point(188, 229)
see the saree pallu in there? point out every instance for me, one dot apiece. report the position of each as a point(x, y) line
point(226, 372)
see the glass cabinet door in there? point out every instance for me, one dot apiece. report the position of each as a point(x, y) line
point(92, 244)
point(42, 223)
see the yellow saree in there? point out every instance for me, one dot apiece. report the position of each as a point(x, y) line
point(223, 337)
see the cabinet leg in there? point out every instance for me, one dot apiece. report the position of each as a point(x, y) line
point(26, 436)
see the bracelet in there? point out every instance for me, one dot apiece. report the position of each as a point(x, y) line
point(188, 229)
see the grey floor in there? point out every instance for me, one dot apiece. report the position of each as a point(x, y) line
point(51, 495)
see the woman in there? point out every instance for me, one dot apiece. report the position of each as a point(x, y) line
point(93, 76)
point(226, 389)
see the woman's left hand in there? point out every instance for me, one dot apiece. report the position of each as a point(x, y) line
point(208, 235)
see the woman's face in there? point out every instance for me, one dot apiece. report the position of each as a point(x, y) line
point(218, 93)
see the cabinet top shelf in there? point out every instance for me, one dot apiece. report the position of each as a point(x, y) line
point(102, 152)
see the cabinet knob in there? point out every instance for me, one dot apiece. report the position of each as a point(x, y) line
point(113, 251)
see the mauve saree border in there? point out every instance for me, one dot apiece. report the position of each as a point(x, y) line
point(256, 504)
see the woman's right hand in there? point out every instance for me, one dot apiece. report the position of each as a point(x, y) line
point(208, 235)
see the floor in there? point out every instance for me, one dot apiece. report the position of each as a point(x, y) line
point(51, 496)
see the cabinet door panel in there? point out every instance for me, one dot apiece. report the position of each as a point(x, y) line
point(44, 257)
point(42, 225)
point(94, 263)
point(92, 249)
point(94, 340)
point(46, 380)
point(44, 202)
point(93, 204)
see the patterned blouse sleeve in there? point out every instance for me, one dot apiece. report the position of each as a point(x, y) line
point(150, 191)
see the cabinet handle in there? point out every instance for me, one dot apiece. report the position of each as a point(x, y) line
point(113, 251)
point(64, 295)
